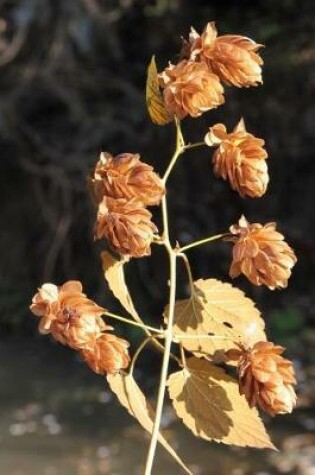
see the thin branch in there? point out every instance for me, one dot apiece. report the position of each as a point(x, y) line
point(179, 337)
point(136, 324)
point(137, 353)
point(203, 241)
point(165, 363)
point(182, 355)
point(188, 268)
point(180, 147)
point(170, 317)
point(190, 146)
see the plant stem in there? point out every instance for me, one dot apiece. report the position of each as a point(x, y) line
point(137, 353)
point(166, 235)
point(182, 355)
point(180, 148)
point(202, 241)
point(165, 363)
point(189, 146)
point(136, 324)
point(171, 308)
point(190, 276)
point(180, 337)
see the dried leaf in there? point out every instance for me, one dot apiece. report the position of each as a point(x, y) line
point(217, 316)
point(154, 98)
point(209, 404)
point(132, 398)
point(114, 274)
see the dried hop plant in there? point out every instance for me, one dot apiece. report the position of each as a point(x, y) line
point(217, 323)
point(239, 158)
point(233, 58)
point(125, 176)
point(108, 355)
point(67, 314)
point(126, 225)
point(189, 88)
point(261, 254)
point(265, 377)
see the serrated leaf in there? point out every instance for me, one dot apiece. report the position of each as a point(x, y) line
point(217, 316)
point(114, 274)
point(133, 399)
point(209, 404)
point(154, 98)
point(229, 307)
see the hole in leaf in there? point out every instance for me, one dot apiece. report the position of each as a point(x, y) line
point(227, 324)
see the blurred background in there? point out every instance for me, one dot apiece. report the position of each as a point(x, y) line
point(72, 78)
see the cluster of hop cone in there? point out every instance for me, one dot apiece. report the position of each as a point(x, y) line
point(123, 187)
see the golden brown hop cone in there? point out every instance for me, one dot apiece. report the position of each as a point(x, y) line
point(45, 304)
point(261, 254)
point(266, 378)
point(126, 225)
point(78, 324)
point(233, 58)
point(189, 88)
point(108, 355)
point(68, 314)
point(125, 176)
point(240, 158)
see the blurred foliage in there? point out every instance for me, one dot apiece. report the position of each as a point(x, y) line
point(286, 325)
point(72, 83)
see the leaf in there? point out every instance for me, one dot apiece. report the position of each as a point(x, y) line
point(154, 98)
point(114, 274)
point(220, 311)
point(229, 307)
point(210, 405)
point(132, 398)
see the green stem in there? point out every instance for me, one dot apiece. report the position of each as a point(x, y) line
point(189, 146)
point(137, 353)
point(202, 241)
point(180, 337)
point(182, 355)
point(172, 254)
point(136, 324)
point(165, 364)
point(188, 268)
point(180, 148)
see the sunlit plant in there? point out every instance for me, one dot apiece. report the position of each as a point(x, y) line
point(217, 325)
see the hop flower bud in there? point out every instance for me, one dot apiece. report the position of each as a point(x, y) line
point(68, 314)
point(190, 89)
point(261, 254)
point(125, 176)
point(232, 58)
point(108, 355)
point(45, 305)
point(239, 158)
point(78, 324)
point(126, 225)
point(265, 378)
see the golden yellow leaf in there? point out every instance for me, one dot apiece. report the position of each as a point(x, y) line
point(154, 98)
point(114, 273)
point(133, 399)
point(216, 317)
point(210, 405)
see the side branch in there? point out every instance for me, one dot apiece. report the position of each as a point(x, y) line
point(203, 241)
point(144, 327)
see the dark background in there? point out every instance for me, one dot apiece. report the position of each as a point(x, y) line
point(72, 79)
